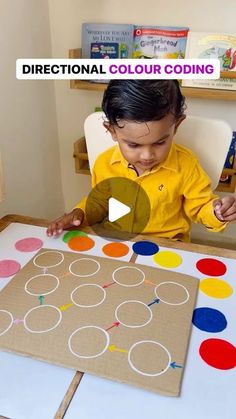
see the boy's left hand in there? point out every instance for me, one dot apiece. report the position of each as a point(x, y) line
point(225, 208)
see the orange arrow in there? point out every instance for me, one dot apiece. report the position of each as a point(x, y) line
point(66, 274)
point(149, 282)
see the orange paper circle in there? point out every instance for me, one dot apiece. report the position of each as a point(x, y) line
point(81, 243)
point(115, 249)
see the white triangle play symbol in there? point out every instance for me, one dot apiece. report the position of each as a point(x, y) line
point(116, 209)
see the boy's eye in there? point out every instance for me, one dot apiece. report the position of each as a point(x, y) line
point(132, 145)
point(160, 143)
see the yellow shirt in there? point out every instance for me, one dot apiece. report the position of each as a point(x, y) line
point(178, 189)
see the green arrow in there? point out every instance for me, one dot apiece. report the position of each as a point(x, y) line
point(41, 298)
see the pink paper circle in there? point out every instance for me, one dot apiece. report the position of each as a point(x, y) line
point(30, 244)
point(8, 267)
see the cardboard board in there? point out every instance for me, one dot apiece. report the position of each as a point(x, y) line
point(119, 320)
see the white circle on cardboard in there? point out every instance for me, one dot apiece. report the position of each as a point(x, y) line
point(88, 285)
point(89, 356)
point(11, 321)
point(41, 307)
point(133, 301)
point(175, 283)
point(128, 267)
point(45, 293)
point(146, 373)
point(48, 266)
point(85, 275)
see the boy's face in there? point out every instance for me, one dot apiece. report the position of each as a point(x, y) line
point(145, 144)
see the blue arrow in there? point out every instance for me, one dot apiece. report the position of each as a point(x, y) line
point(174, 365)
point(156, 301)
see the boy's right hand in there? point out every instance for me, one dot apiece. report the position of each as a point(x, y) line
point(73, 218)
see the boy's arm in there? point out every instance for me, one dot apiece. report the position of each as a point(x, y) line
point(90, 210)
point(199, 199)
point(95, 206)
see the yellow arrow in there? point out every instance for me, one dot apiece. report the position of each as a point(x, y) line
point(113, 348)
point(66, 306)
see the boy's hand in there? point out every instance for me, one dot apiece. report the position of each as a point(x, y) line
point(73, 218)
point(225, 208)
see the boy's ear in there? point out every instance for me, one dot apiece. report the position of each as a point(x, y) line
point(110, 128)
point(179, 121)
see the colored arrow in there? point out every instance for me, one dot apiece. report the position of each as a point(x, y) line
point(66, 306)
point(41, 298)
point(156, 301)
point(174, 365)
point(108, 285)
point(17, 321)
point(146, 281)
point(116, 324)
point(113, 348)
point(66, 274)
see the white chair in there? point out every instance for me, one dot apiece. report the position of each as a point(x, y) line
point(208, 138)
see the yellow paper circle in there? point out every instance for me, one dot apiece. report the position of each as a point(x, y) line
point(167, 259)
point(216, 288)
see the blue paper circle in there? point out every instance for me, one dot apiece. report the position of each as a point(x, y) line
point(209, 319)
point(145, 248)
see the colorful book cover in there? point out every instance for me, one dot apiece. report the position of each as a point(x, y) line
point(159, 42)
point(107, 33)
point(213, 45)
point(104, 50)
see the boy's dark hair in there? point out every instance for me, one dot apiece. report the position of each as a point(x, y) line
point(142, 100)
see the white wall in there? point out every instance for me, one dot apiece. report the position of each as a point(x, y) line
point(28, 126)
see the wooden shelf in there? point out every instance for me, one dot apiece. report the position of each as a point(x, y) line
point(210, 94)
point(82, 166)
point(87, 85)
point(193, 92)
point(81, 157)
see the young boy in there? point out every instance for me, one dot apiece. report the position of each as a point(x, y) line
point(143, 117)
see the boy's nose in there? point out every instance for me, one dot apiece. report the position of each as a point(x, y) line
point(147, 154)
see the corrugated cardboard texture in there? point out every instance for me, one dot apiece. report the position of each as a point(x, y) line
point(119, 320)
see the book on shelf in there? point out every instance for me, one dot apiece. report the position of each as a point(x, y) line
point(213, 45)
point(107, 40)
point(159, 42)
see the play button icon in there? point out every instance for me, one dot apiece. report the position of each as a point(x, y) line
point(118, 206)
point(116, 209)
